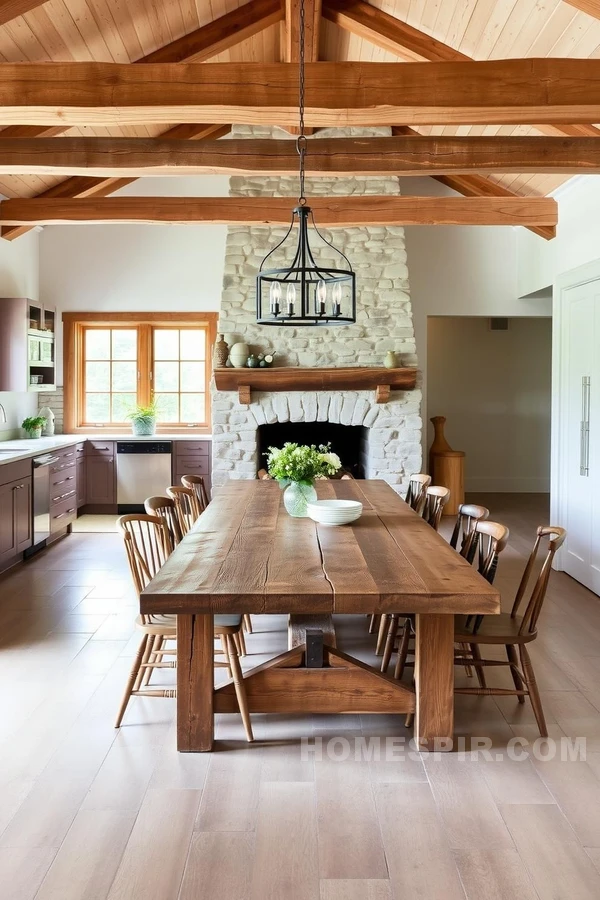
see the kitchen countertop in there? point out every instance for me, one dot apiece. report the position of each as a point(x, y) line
point(27, 448)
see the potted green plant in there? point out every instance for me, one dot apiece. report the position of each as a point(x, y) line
point(143, 418)
point(295, 467)
point(33, 425)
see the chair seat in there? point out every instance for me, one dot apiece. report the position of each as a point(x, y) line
point(166, 625)
point(231, 622)
point(502, 629)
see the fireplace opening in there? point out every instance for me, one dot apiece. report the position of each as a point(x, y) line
point(348, 441)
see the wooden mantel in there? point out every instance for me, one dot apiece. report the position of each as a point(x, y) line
point(349, 378)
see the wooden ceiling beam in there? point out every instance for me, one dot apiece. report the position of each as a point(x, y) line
point(408, 43)
point(591, 7)
point(330, 212)
point(11, 9)
point(201, 44)
point(492, 92)
point(386, 31)
point(399, 155)
point(103, 186)
point(479, 186)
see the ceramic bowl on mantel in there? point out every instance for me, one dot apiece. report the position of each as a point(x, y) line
point(335, 512)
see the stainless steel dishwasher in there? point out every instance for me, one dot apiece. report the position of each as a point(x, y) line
point(41, 501)
point(143, 470)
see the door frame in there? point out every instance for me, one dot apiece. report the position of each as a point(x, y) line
point(558, 480)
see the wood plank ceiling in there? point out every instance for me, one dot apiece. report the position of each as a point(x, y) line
point(125, 30)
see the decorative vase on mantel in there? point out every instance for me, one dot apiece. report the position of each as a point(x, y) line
point(296, 497)
point(220, 353)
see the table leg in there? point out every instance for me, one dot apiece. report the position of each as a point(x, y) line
point(434, 677)
point(195, 683)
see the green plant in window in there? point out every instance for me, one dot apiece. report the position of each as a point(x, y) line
point(143, 418)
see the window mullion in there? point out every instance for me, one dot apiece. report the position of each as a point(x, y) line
point(144, 364)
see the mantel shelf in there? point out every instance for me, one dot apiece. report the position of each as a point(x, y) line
point(349, 378)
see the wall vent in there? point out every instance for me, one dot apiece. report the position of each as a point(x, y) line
point(499, 323)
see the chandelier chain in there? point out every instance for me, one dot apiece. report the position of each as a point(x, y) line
point(301, 142)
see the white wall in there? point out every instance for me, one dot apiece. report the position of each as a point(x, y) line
point(138, 267)
point(19, 277)
point(577, 240)
point(461, 271)
point(495, 390)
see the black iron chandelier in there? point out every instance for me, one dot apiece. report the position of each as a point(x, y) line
point(304, 292)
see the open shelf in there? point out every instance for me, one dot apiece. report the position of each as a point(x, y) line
point(349, 378)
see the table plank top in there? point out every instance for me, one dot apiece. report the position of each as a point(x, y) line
point(246, 554)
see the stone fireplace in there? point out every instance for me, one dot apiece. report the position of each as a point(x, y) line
point(390, 442)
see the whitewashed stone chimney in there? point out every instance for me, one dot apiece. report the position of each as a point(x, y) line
point(392, 444)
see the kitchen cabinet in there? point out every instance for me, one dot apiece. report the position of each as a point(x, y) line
point(27, 346)
point(16, 523)
point(192, 458)
point(81, 472)
point(101, 482)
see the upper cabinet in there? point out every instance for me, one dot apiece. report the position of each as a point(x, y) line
point(27, 345)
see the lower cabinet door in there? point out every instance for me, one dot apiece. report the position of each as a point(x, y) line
point(24, 515)
point(81, 482)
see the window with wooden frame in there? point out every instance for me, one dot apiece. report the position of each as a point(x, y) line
point(113, 361)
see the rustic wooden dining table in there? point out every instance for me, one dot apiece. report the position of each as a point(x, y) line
point(247, 555)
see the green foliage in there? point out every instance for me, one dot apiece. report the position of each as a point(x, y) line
point(294, 462)
point(144, 412)
point(33, 422)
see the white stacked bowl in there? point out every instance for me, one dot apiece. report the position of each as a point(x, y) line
point(335, 512)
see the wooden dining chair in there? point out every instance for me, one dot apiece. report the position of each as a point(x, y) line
point(468, 515)
point(514, 631)
point(435, 500)
point(417, 491)
point(494, 538)
point(165, 508)
point(185, 504)
point(196, 484)
point(148, 545)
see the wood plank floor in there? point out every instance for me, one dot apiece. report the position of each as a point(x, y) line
point(89, 813)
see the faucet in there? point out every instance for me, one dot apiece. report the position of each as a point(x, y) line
point(2, 414)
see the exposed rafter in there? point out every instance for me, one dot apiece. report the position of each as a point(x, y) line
point(383, 30)
point(479, 186)
point(331, 211)
point(11, 9)
point(201, 44)
point(388, 32)
point(591, 7)
point(103, 186)
point(401, 155)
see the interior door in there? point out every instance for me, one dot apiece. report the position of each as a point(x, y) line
point(580, 431)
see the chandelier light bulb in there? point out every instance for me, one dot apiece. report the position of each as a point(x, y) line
point(290, 299)
point(275, 297)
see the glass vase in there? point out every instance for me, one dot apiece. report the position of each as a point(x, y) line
point(296, 497)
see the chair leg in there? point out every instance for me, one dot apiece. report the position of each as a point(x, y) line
point(240, 687)
point(155, 644)
point(225, 649)
point(248, 623)
point(373, 623)
point(476, 654)
point(138, 681)
point(402, 650)
point(381, 634)
point(514, 664)
point(135, 670)
point(534, 694)
point(468, 669)
point(390, 641)
point(242, 642)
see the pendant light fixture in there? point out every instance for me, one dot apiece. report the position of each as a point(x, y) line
point(305, 292)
